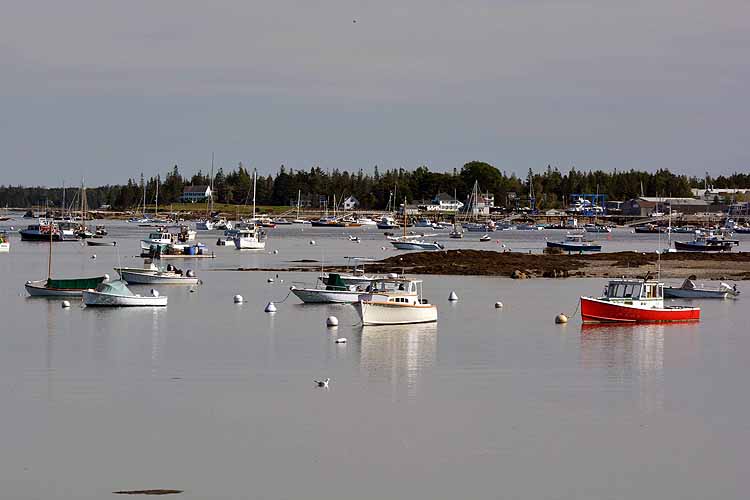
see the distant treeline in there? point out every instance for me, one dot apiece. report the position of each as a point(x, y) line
point(551, 187)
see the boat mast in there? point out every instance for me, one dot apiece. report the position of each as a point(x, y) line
point(299, 192)
point(143, 187)
point(157, 196)
point(49, 259)
point(404, 217)
point(255, 180)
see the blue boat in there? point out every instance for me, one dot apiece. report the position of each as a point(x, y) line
point(575, 243)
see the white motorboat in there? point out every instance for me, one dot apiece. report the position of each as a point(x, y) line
point(357, 277)
point(152, 275)
point(336, 291)
point(117, 294)
point(395, 301)
point(250, 238)
point(688, 290)
point(156, 239)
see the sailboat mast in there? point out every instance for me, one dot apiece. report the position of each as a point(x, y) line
point(157, 195)
point(143, 187)
point(49, 258)
point(255, 180)
point(299, 192)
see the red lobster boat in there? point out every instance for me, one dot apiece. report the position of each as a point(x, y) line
point(634, 301)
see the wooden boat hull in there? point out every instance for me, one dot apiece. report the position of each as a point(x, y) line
point(393, 313)
point(602, 311)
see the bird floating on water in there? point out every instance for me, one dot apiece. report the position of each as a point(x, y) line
point(322, 383)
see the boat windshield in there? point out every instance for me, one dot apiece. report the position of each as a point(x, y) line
point(624, 290)
point(394, 286)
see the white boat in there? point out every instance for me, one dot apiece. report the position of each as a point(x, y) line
point(159, 239)
point(204, 225)
point(395, 301)
point(117, 294)
point(155, 276)
point(356, 277)
point(409, 244)
point(336, 291)
point(250, 238)
point(688, 290)
point(366, 221)
point(4, 242)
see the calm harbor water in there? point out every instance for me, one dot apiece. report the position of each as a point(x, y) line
point(217, 399)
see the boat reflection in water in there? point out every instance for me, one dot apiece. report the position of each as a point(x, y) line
point(398, 354)
point(631, 356)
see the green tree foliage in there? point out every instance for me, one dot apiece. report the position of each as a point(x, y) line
point(552, 188)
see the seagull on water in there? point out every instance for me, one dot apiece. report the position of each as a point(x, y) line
point(322, 383)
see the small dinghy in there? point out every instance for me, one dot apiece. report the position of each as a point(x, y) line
point(486, 237)
point(117, 294)
point(688, 290)
point(95, 243)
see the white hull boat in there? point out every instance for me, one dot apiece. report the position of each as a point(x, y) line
point(117, 294)
point(62, 287)
point(155, 277)
point(250, 239)
point(395, 301)
point(323, 296)
point(416, 245)
point(389, 313)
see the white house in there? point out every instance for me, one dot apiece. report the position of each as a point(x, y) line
point(192, 194)
point(351, 203)
point(444, 202)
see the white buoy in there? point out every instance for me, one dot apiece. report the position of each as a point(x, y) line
point(561, 318)
point(332, 321)
point(312, 242)
point(275, 252)
point(270, 280)
point(341, 340)
point(270, 307)
point(154, 292)
point(65, 304)
point(238, 299)
point(498, 305)
point(453, 297)
point(382, 248)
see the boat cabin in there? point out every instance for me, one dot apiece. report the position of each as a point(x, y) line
point(397, 290)
point(634, 290)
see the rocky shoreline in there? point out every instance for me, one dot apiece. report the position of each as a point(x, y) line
point(723, 266)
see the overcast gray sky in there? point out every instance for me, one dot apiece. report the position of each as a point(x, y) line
point(107, 89)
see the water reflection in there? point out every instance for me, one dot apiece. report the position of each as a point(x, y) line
point(632, 356)
point(398, 353)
